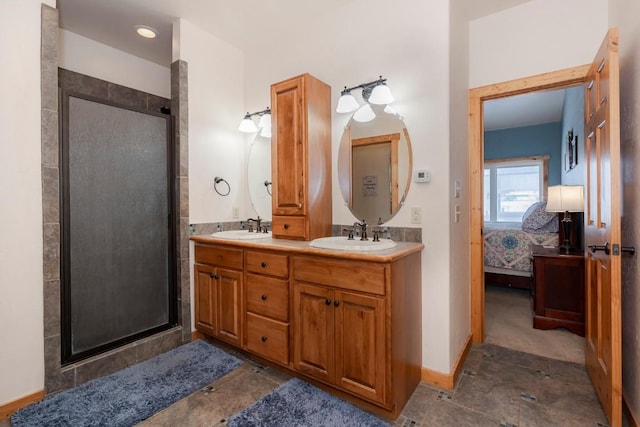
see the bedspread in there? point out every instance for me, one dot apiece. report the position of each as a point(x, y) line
point(509, 248)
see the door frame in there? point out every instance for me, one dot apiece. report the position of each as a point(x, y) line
point(551, 80)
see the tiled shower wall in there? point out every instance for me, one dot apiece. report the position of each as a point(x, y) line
point(59, 378)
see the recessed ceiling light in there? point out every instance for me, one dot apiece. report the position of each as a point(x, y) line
point(146, 31)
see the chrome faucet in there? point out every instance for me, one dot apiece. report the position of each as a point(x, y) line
point(258, 221)
point(363, 229)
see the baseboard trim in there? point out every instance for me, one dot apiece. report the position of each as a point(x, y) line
point(633, 419)
point(448, 381)
point(197, 335)
point(8, 409)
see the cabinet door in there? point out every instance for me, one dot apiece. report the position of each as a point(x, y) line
point(228, 307)
point(205, 298)
point(288, 149)
point(360, 344)
point(313, 320)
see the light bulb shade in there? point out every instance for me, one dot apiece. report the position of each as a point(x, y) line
point(247, 125)
point(381, 94)
point(265, 121)
point(266, 131)
point(364, 114)
point(390, 110)
point(565, 198)
point(347, 104)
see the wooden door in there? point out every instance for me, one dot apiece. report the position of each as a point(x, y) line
point(228, 306)
point(205, 298)
point(602, 228)
point(360, 344)
point(313, 334)
point(288, 147)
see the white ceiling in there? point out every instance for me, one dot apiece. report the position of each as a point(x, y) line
point(240, 22)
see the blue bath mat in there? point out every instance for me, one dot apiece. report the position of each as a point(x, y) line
point(297, 403)
point(133, 394)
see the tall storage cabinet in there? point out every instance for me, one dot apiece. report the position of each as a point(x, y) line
point(301, 158)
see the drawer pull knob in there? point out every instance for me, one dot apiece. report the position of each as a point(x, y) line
point(264, 339)
point(327, 301)
point(263, 297)
point(336, 303)
point(286, 226)
point(299, 205)
point(263, 264)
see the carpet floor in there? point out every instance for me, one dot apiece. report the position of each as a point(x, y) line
point(133, 394)
point(509, 323)
point(297, 403)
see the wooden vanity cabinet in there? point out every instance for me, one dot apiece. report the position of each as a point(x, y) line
point(301, 158)
point(352, 326)
point(267, 305)
point(218, 293)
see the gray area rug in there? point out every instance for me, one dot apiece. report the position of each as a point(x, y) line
point(133, 394)
point(297, 403)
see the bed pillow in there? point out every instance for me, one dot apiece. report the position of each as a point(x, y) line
point(537, 220)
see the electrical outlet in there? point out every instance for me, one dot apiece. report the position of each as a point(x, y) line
point(235, 212)
point(219, 227)
point(416, 215)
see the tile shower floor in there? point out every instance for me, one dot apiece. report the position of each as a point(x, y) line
point(498, 387)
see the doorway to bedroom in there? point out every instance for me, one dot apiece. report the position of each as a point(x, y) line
point(525, 151)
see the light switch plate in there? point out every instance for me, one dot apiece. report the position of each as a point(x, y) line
point(416, 215)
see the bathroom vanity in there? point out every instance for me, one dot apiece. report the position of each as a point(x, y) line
point(347, 321)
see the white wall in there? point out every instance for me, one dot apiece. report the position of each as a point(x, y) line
point(460, 315)
point(86, 56)
point(407, 42)
point(216, 106)
point(21, 357)
point(624, 14)
point(534, 38)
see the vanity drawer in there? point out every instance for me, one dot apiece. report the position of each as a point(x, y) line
point(268, 338)
point(267, 263)
point(220, 256)
point(358, 276)
point(290, 227)
point(268, 296)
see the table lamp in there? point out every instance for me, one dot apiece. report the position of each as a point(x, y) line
point(566, 198)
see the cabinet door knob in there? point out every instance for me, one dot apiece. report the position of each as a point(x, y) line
point(263, 297)
point(327, 301)
point(286, 226)
point(336, 303)
point(264, 339)
point(299, 205)
point(263, 264)
point(213, 276)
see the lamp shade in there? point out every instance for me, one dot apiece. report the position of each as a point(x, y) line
point(381, 94)
point(347, 103)
point(265, 121)
point(364, 114)
point(565, 198)
point(247, 125)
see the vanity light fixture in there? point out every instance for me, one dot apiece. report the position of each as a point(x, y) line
point(364, 114)
point(375, 92)
point(248, 125)
point(146, 31)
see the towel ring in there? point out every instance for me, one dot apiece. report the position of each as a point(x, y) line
point(217, 180)
point(267, 184)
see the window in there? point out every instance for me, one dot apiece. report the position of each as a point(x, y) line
point(512, 185)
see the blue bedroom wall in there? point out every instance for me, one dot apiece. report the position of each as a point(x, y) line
point(536, 140)
point(573, 120)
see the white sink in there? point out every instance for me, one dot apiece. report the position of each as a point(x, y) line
point(241, 235)
point(342, 243)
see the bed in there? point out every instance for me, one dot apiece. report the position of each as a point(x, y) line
point(506, 248)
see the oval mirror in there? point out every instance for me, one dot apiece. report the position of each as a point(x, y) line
point(259, 176)
point(374, 166)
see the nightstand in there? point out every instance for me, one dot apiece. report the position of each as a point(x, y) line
point(558, 289)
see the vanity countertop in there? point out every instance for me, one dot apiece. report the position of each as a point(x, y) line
point(297, 247)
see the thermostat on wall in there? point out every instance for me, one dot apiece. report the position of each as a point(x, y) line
point(422, 176)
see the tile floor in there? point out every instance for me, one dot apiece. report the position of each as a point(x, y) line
point(499, 387)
